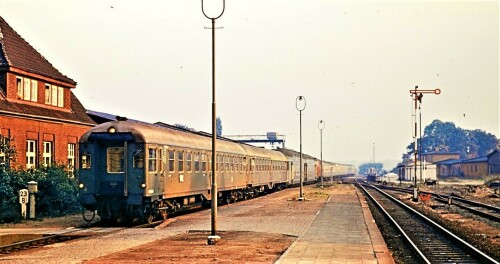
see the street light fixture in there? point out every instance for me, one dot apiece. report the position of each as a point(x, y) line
point(300, 104)
point(321, 126)
point(417, 96)
point(213, 238)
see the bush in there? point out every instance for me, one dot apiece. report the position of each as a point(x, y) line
point(57, 193)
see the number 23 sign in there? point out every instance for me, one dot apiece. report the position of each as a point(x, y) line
point(23, 196)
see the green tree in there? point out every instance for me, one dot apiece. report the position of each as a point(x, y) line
point(442, 136)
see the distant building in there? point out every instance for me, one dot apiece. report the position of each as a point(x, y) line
point(449, 168)
point(38, 110)
point(475, 167)
point(406, 172)
point(494, 162)
point(433, 157)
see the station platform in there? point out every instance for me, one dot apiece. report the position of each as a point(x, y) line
point(344, 231)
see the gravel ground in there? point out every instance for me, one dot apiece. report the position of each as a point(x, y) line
point(257, 231)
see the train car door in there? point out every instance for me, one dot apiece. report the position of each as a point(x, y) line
point(112, 180)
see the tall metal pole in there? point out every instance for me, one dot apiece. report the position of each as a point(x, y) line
point(300, 108)
point(420, 139)
point(213, 238)
point(321, 126)
point(417, 97)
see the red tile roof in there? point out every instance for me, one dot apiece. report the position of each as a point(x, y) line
point(77, 114)
point(17, 52)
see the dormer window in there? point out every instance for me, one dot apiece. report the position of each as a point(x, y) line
point(54, 95)
point(27, 89)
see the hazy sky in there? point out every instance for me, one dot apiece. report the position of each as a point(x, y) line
point(354, 62)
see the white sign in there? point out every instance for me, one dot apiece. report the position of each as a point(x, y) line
point(23, 196)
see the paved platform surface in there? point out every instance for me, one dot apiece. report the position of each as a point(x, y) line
point(342, 232)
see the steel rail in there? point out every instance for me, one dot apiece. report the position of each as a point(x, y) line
point(442, 229)
point(408, 239)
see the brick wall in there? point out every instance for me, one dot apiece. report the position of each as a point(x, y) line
point(22, 129)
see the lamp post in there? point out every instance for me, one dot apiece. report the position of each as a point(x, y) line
point(213, 238)
point(417, 96)
point(321, 126)
point(300, 104)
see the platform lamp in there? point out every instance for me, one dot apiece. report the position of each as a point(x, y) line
point(213, 238)
point(321, 126)
point(417, 96)
point(300, 104)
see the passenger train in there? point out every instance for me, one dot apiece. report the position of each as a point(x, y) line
point(137, 171)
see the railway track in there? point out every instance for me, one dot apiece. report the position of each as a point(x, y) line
point(66, 236)
point(482, 210)
point(430, 242)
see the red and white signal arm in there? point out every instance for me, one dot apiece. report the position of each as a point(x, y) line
point(23, 196)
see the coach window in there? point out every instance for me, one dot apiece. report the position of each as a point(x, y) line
point(86, 161)
point(231, 165)
point(244, 164)
point(180, 160)
point(115, 159)
point(171, 160)
point(188, 161)
point(152, 159)
point(227, 163)
point(203, 162)
point(196, 162)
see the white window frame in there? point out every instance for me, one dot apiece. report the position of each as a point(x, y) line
point(30, 154)
point(47, 153)
point(34, 91)
point(60, 96)
point(27, 89)
point(54, 95)
point(71, 156)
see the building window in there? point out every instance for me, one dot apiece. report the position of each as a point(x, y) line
point(152, 160)
point(34, 91)
point(60, 96)
point(30, 154)
point(115, 160)
point(47, 153)
point(2, 158)
point(71, 157)
point(19, 85)
point(27, 87)
point(54, 95)
point(48, 95)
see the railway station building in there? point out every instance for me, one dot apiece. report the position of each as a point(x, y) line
point(40, 116)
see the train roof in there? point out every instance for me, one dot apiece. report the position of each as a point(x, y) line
point(161, 134)
point(293, 153)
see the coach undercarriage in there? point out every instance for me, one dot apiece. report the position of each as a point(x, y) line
point(114, 208)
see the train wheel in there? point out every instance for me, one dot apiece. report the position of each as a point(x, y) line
point(88, 215)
